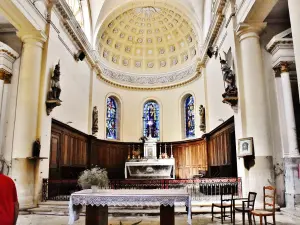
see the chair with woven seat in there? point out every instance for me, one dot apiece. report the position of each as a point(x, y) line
point(225, 203)
point(269, 205)
point(247, 206)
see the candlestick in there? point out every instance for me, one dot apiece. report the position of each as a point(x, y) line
point(166, 148)
point(160, 151)
point(172, 152)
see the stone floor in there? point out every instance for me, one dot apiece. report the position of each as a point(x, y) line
point(202, 219)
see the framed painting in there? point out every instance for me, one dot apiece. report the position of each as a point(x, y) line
point(245, 147)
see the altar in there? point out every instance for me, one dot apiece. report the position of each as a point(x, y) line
point(97, 203)
point(150, 168)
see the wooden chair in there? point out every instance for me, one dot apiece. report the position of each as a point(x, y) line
point(269, 205)
point(225, 203)
point(247, 206)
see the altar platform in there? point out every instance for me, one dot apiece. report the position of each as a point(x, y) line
point(150, 169)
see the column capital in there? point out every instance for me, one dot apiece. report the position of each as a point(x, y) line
point(246, 30)
point(284, 67)
point(5, 76)
point(35, 37)
point(277, 71)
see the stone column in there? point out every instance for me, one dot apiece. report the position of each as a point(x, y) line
point(23, 169)
point(294, 6)
point(254, 104)
point(3, 107)
point(289, 111)
point(2, 74)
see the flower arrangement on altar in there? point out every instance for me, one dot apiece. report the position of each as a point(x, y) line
point(93, 177)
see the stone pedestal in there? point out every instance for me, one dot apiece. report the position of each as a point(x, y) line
point(292, 182)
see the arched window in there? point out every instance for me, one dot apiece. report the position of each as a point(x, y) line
point(76, 8)
point(189, 109)
point(111, 118)
point(151, 119)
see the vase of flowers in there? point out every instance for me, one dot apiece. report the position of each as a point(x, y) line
point(95, 178)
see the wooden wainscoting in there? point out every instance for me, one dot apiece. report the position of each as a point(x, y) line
point(73, 151)
point(111, 155)
point(190, 158)
point(68, 152)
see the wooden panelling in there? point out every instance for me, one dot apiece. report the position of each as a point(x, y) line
point(68, 153)
point(190, 157)
point(72, 152)
point(220, 147)
point(110, 155)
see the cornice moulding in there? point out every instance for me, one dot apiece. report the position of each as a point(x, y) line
point(8, 50)
point(214, 29)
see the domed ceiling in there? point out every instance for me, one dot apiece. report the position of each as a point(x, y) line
point(148, 45)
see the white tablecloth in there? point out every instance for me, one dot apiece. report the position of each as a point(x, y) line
point(131, 197)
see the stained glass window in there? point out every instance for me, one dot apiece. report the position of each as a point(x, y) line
point(75, 6)
point(189, 117)
point(111, 118)
point(151, 119)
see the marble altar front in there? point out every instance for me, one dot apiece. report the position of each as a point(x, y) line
point(150, 168)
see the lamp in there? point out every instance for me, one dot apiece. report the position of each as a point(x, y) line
point(212, 51)
point(79, 56)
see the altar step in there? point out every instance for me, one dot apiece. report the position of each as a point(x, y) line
point(60, 208)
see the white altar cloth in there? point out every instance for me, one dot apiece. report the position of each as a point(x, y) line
point(150, 164)
point(130, 197)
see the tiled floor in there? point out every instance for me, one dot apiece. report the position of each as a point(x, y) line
point(203, 219)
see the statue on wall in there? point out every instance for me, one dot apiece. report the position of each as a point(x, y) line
point(202, 118)
point(55, 90)
point(230, 96)
point(95, 120)
point(36, 148)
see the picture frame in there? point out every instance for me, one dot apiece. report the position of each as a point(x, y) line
point(245, 147)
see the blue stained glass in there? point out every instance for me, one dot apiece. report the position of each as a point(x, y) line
point(189, 117)
point(111, 118)
point(151, 119)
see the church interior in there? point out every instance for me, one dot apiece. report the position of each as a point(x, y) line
point(183, 98)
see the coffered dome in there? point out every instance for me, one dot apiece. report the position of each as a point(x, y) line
point(147, 44)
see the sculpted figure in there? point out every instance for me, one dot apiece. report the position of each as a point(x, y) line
point(95, 120)
point(231, 92)
point(202, 118)
point(55, 89)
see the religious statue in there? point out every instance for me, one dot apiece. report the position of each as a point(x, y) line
point(202, 118)
point(230, 96)
point(55, 90)
point(95, 120)
point(36, 148)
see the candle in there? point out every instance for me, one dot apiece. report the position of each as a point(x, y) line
point(128, 157)
point(165, 148)
point(171, 152)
